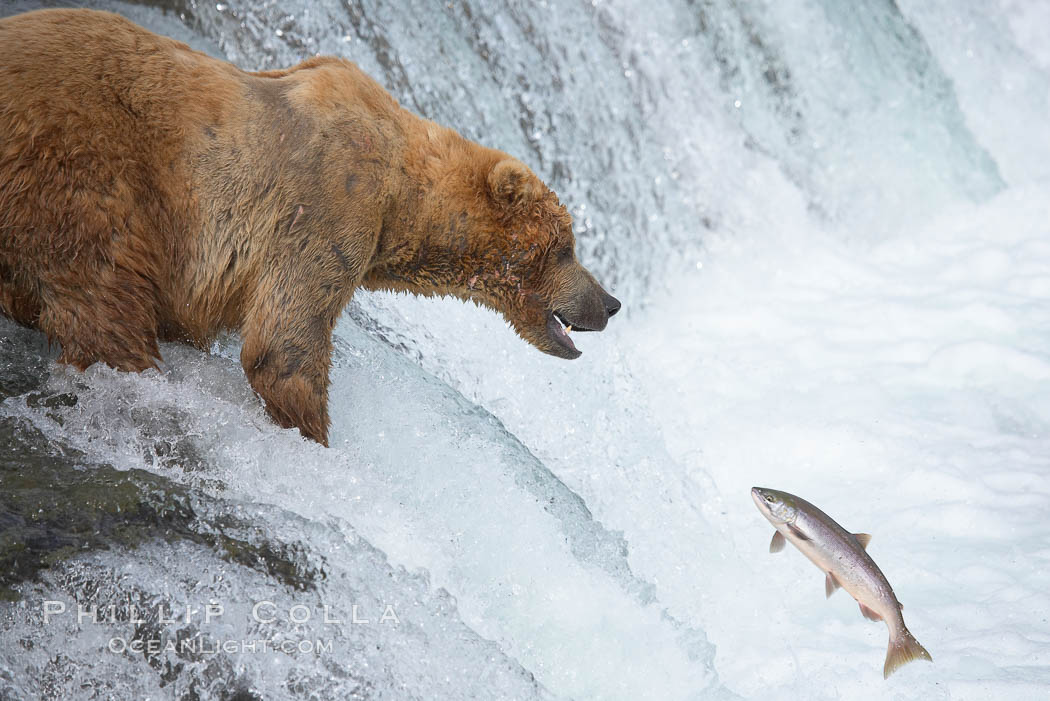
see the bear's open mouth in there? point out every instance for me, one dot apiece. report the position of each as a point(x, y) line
point(570, 326)
point(558, 329)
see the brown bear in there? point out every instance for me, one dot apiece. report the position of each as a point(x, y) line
point(150, 191)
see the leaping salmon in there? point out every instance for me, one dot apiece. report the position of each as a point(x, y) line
point(843, 557)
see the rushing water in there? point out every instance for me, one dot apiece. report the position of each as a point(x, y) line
point(494, 523)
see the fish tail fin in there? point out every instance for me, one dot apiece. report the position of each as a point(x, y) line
point(903, 649)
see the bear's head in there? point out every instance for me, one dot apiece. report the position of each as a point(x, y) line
point(534, 278)
point(491, 232)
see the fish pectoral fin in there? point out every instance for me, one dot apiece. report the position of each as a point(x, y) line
point(868, 613)
point(863, 539)
point(777, 544)
point(795, 531)
point(830, 584)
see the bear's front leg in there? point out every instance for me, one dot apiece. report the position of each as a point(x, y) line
point(287, 337)
point(288, 367)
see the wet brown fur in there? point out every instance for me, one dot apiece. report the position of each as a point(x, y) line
point(149, 191)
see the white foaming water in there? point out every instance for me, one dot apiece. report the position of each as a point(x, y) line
point(902, 386)
point(830, 233)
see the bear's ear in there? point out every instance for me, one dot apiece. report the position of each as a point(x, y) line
point(513, 185)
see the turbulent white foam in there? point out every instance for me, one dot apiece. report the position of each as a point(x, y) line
point(217, 628)
point(902, 386)
point(426, 477)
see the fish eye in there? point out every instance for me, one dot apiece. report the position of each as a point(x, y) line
point(769, 498)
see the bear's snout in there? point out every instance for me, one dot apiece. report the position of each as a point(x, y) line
point(590, 306)
point(583, 306)
point(587, 313)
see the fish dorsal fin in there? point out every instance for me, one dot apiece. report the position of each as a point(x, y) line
point(777, 544)
point(797, 532)
point(830, 584)
point(863, 539)
point(869, 614)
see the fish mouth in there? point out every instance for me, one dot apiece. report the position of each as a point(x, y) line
point(558, 328)
point(756, 496)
